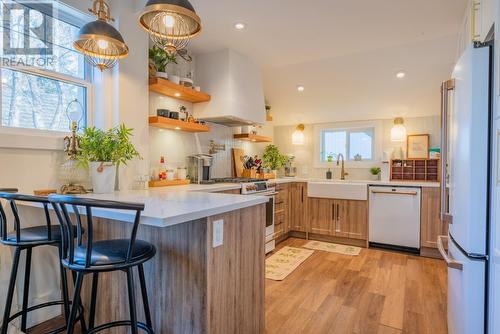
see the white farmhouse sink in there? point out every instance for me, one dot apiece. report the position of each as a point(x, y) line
point(338, 189)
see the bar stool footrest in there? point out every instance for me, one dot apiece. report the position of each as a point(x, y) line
point(121, 323)
point(43, 305)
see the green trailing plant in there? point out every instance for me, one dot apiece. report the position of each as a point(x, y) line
point(113, 145)
point(375, 170)
point(161, 58)
point(272, 158)
point(329, 158)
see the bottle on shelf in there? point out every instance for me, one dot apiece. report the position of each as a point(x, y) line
point(162, 172)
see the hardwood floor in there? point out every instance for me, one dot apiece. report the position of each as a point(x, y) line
point(375, 292)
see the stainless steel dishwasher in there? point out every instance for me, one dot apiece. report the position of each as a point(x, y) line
point(394, 217)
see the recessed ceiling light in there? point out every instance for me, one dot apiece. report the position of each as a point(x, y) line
point(400, 75)
point(300, 88)
point(177, 128)
point(239, 26)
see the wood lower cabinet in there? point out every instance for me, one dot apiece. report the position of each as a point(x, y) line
point(321, 216)
point(298, 207)
point(356, 219)
point(282, 212)
point(431, 226)
point(339, 218)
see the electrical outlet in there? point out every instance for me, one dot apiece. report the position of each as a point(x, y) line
point(218, 233)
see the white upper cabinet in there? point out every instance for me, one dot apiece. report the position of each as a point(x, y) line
point(235, 84)
point(478, 21)
point(488, 9)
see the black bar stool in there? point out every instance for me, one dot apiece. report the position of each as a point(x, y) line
point(26, 239)
point(95, 257)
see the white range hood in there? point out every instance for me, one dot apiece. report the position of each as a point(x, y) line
point(235, 84)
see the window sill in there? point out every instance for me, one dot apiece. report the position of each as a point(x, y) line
point(21, 139)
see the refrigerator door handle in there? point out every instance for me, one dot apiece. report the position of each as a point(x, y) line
point(445, 88)
point(450, 262)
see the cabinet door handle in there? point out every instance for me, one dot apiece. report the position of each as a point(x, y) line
point(338, 215)
point(333, 212)
point(302, 194)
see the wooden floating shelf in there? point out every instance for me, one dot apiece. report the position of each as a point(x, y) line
point(168, 88)
point(165, 183)
point(175, 124)
point(253, 138)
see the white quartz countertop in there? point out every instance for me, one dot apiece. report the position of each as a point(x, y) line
point(367, 182)
point(178, 204)
point(174, 205)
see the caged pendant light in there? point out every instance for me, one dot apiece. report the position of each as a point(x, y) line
point(171, 24)
point(99, 41)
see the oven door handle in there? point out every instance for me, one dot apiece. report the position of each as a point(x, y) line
point(266, 194)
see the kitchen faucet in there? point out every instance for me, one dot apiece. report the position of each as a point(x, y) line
point(343, 173)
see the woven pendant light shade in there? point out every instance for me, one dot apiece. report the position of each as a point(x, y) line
point(171, 24)
point(99, 41)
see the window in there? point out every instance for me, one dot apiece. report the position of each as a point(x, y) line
point(41, 73)
point(353, 144)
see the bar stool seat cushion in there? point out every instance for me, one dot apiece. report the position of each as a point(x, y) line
point(37, 234)
point(109, 252)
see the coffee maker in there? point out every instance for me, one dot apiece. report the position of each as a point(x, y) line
point(200, 168)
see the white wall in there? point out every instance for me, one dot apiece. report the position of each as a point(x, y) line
point(305, 153)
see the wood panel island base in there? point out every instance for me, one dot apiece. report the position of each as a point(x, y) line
point(193, 287)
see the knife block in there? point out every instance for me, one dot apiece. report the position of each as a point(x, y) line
point(249, 173)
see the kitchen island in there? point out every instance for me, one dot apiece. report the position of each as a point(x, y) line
point(194, 285)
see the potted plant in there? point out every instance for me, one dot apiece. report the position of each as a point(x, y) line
point(375, 171)
point(161, 59)
point(329, 159)
point(102, 152)
point(273, 159)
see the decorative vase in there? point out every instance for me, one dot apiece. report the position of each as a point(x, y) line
point(275, 173)
point(162, 75)
point(103, 177)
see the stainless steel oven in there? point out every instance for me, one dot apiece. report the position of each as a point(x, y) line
point(270, 209)
point(268, 189)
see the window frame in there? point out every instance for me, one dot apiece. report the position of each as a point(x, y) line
point(349, 127)
point(348, 132)
point(12, 137)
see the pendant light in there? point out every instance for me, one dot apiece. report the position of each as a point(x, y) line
point(398, 131)
point(171, 24)
point(99, 41)
point(298, 135)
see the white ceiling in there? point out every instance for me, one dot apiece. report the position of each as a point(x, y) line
point(345, 53)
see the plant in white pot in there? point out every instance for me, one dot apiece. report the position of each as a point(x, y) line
point(375, 171)
point(103, 151)
point(273, 159)
point(161, 60)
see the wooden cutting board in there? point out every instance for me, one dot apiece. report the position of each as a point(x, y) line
point(238, 155)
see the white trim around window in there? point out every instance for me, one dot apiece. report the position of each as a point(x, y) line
point(349, 126)
point(21, 138)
